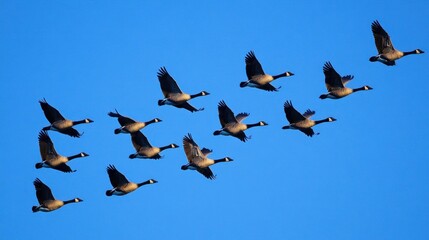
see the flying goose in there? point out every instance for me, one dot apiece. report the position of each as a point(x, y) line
point(232, 125)
point(300, 121)
point(172, 93)
point(336, 84)
point(46, 199)
point(120, 183)
point(50, 157)
point(387, 54)
point(129, 125)
point(197, 158)
point(256, 76)
point(58, 122)
point(144, 149)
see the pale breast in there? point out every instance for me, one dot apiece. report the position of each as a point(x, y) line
point(262, 79)
point(179, 97)
point(307, 123)
point(62, 124)
point(148, 151)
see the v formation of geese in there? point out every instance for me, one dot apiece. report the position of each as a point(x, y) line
point(197, 158)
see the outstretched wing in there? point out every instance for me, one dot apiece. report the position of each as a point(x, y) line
point(43, 192)
point(168, 84)
point(64, 168)
point(206, 151)
point(192, 150)
point(253, 67)
point(116, 178)
point(139, 140)
point(308, 131)
point(188, 107)
point(241, 116)
point(346, 79)
point(207, 172)
point(381, 38)
point(225, 114)
point(46, 146)
point(71, 132)
point(268, 87)
point(51, 113)
point(333, 80)
point(123, 121)
point(292, 115)
point(308, 113)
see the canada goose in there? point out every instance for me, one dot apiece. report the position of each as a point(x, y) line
point(46, 199)
point(172, 93)
point(58, 122)
point(387, 54)
point(197, 158)
point(300, 121)
point(256, 76)
point(120, 183)
point(232, 126)
point(336, 84)
point(50, 157)
point(144, 149)
point(128, 125)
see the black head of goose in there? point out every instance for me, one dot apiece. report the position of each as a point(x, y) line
point(387, 54)
point(172, 93)
point(198, 158)
point(58, 122)
point(121, 185)
point(232, 125)
point(256, 75)
point(50, 157)
point(302, 122)
point(129, 125)
point(46, 200)
point(335, 84)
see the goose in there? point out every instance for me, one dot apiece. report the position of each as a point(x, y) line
point(336, 84)
point(256, 76)
point(300, 121)
point(172, 93)
point(144, 149)
point(46, 199)
point(387, 54)
point(129, 125)
point(120, 183)
point(232, 125)
point(58, 122)
point(50, 157)
point(197, 158)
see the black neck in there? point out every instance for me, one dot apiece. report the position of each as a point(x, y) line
point(220, 160)
point(79, 122)
point(280, 75)
point(358, 89)
point(69, 201)
point(410, 52)
point(74, 156)
point(253, 125)
point(321, 121)
point(165, 147)
point(143, 183)
point(197, 95)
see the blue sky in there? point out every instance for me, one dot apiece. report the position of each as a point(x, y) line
point(364, 177)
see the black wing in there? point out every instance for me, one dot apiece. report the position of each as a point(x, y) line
point(333, 80)
point(64, 168)
point(381, 38)
point(46, 146)
point(207, 172)
point(241, 135)
point(253, 67)
point(71, 132)
point(139, 140)
point(123, 121)
point(308, 131)
point(292, 115)
point(268, 87)
point(168, 84)
point(225, 114)
point(43, 192)
point(116, 178)
point(188, 107)
point(50, 112)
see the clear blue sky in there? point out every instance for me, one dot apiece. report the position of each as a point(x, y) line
point(364, 177)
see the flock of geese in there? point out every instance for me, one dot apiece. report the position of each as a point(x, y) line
point(231, 124)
